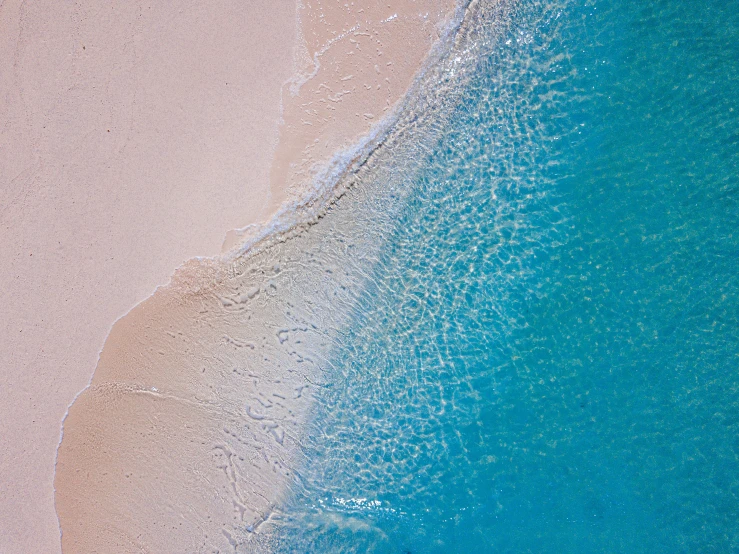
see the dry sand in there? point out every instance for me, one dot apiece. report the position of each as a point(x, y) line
point(133, 138)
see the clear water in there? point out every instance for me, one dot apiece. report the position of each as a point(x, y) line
point(545, 355)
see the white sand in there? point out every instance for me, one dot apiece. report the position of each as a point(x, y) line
point(133, 138)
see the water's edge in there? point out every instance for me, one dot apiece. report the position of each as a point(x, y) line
point(329, 184)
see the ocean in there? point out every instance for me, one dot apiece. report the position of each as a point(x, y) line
point(542, 353)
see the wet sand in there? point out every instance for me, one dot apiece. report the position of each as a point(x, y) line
point(134, 139)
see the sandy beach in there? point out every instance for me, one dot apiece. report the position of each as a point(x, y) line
point(135, 138)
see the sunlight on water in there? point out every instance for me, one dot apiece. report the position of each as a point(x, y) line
point(543, 351)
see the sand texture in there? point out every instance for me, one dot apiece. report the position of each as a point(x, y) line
point(356, 61)
point(133, 138)
point(189, 423)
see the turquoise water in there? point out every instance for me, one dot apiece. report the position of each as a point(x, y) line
point(545, 357)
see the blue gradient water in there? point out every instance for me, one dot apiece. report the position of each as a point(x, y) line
point(546, 357)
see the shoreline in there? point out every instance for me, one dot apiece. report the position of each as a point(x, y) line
point(308, 202)
point(300, 211)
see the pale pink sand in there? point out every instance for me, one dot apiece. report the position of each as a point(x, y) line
point(133, 138)
point(357, 60)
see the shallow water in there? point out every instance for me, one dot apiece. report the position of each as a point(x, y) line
point(543, 352)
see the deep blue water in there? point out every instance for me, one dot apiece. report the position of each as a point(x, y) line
point(546, 357)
